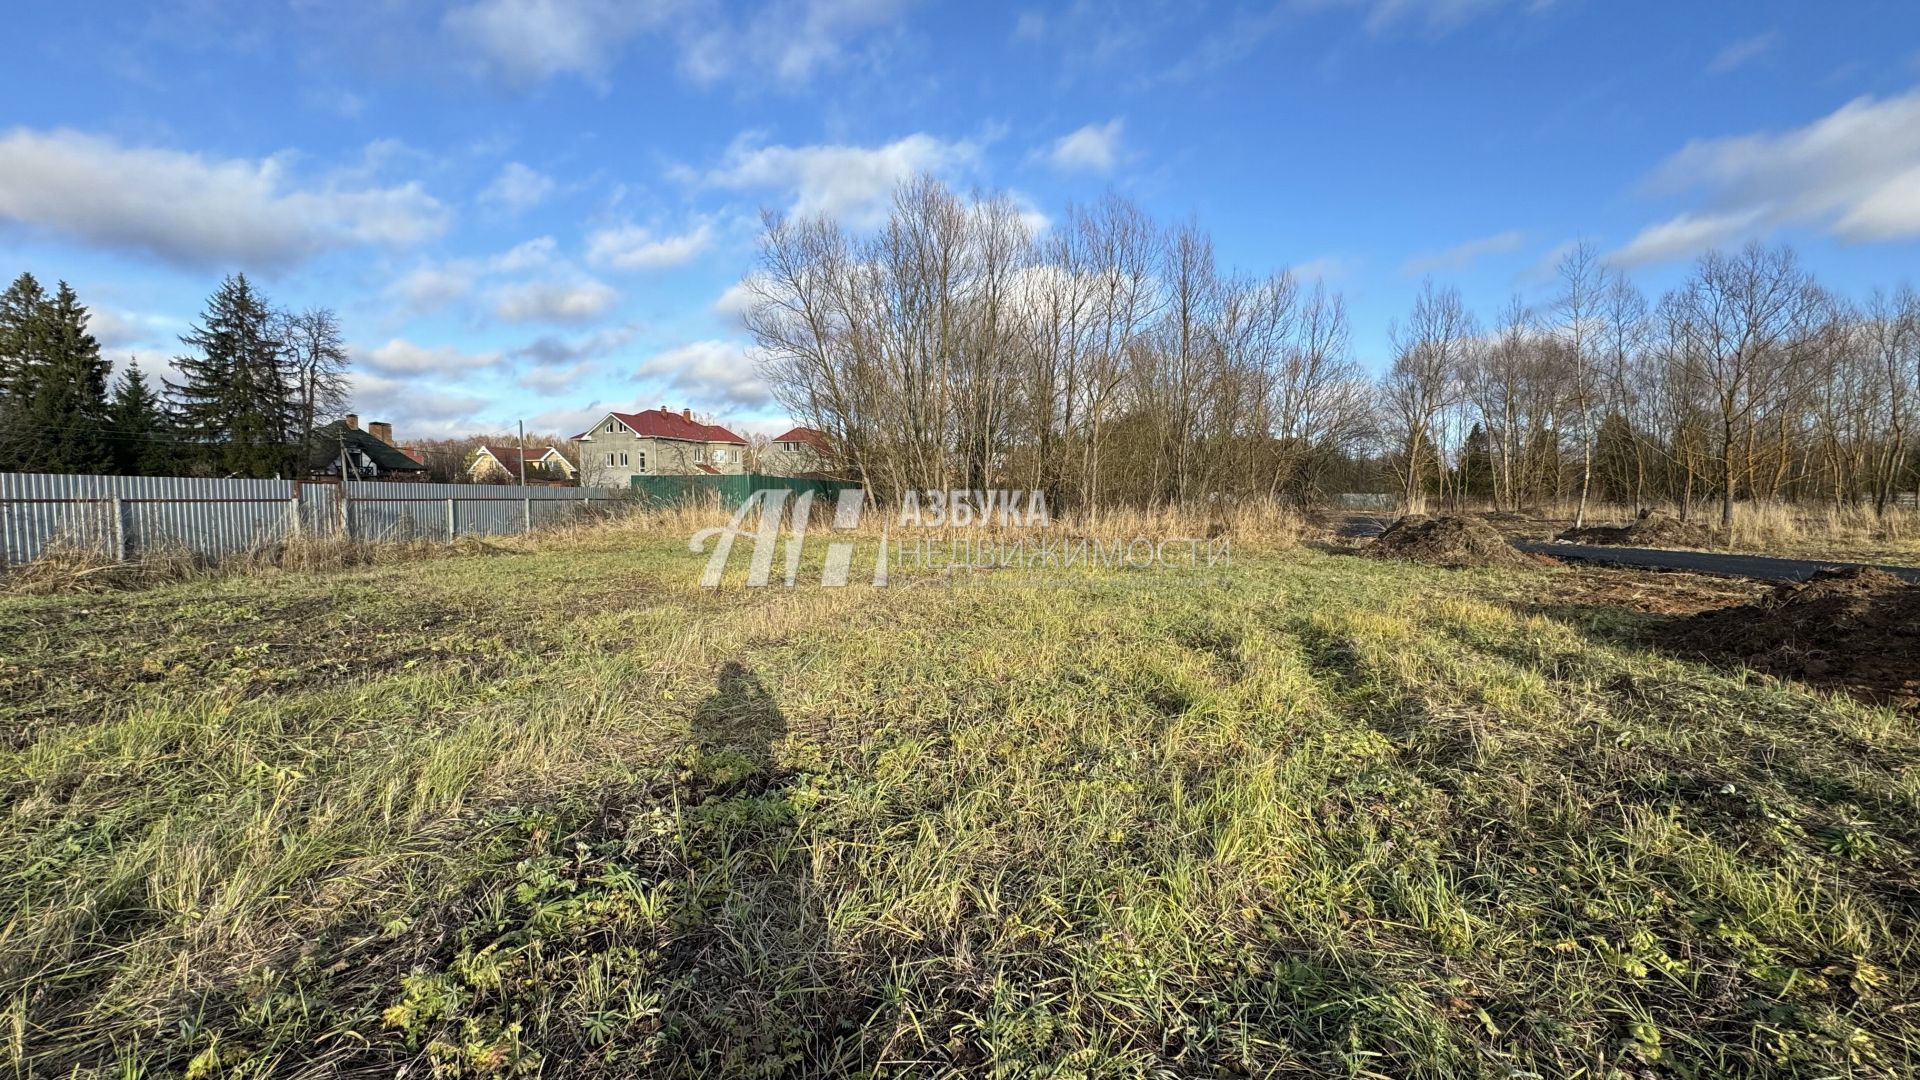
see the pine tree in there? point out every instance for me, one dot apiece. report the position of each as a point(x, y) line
point(236, 401)
point(140, 437)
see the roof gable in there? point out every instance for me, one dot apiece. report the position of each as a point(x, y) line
point(666, 424)
point(511, 456)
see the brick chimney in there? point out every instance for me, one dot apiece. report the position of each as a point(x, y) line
point(382, 430)
point(352, 420)
point(686, 414)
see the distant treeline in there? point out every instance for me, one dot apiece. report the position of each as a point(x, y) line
point(255, 382)
point(1109, 359)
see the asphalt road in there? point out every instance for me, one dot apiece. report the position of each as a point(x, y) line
point(1757, 567)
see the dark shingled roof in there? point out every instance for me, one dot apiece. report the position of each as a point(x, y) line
point(326, 449)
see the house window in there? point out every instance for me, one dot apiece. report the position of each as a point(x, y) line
point(609, 459)
point(719, 457)
point(700, 454)
point(643, 461)
point(613, 426)
point(623, 459)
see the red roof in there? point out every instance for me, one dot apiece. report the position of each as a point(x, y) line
point(666, 424)
point(708, 469)
point(815, 439)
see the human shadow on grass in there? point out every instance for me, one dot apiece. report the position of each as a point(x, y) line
point(672, 927)
point(736, 729)
point(753, 982)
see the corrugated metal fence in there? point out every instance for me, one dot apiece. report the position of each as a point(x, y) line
point(123, 516)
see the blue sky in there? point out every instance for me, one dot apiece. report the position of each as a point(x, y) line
point(534, 209)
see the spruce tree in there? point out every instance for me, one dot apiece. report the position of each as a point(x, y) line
point(65, 409)
point(21, 358)
point(141, 443)
point(236, 399)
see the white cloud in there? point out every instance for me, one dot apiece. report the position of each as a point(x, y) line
point(786, 41)
point(431, 286)
point(1891, 210)
point(709, 374)
point(632, 247)
point(426, 289)
point(555, 380)
point(416, 411)
point(550, 350)
point(733, 305)
point(848, 183)
point(120, 329)
point(569, 420)
point(1742, 52)
point(1684, 236)
point(1094, 148)
point(575, 301)
point(1854, 173)
point(523, 256)
point(529, 40)
point(517, 189)
point(1461, 256)
point(194, 210)
point(402, 357)
point(1438, 16)
point(1326, 268)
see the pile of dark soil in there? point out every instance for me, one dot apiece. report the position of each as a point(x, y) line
point(1652, 528)
point(1856, 629)
point(1446, 541)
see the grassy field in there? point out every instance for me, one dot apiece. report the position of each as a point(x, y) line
point(565, 813)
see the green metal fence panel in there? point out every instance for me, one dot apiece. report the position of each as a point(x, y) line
point(729, 491)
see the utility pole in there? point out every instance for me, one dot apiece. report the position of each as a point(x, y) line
point(523, 453)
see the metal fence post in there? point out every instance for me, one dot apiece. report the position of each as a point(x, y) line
point(346, 512)
point(453, 523)
point(526, 518)
point(119, 511)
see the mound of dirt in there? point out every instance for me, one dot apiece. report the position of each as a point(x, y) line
point(1857, 629)
point(1446, 541)
point(1652, 528)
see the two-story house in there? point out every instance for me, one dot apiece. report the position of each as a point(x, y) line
point(797, 453)
point(656, 442)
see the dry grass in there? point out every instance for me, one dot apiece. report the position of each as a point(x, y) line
point(567, 814)
point(1266, 525)
point(69, 568)
point(1772, 525)
point(1854, 533)
point(72, 566)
